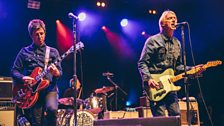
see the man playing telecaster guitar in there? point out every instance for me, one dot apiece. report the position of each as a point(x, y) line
point(162, 52)
point(30, 61)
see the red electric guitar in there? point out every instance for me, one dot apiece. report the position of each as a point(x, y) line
point(25, 96)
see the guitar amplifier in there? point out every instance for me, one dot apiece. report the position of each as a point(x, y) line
point(145, 112)
point(7, 113)
point(120, 114)
point(6, 88)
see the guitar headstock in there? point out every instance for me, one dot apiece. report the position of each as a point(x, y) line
point(213, 63)
point(78, 46)
point(205, 66)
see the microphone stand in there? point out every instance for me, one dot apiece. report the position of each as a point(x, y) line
point(116, 87)
point(186, 85)
point(75, 37)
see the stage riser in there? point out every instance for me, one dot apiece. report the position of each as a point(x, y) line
point(146, 113)
point(156, 121)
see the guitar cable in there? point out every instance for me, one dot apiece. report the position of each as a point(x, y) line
point(147, 105)
point(198, 82)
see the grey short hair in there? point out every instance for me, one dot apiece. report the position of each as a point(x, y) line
point(162, 18)
point(35, 24)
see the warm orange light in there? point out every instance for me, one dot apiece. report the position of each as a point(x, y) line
point(98, 4)
point(152, 11)
point(103, 4)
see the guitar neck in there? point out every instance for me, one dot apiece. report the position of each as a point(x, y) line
point(195, 70)
point(59, 59)
point(181, 76)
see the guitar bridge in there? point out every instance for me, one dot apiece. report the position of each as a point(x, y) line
point(159, 94)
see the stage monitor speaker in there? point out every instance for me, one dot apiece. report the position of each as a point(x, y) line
point(194, 113)
point(120, 114)
point(7, 113)
point(6, 88)
point(155, 121)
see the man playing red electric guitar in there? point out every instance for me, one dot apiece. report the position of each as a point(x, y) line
point(30, 62)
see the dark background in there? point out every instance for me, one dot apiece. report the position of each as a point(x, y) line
point(207, 36)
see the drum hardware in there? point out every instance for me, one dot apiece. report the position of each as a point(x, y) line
point(70, 101)
point(94, 104)
point(103, 90)
point(116, 87)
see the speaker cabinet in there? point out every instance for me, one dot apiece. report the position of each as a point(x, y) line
point(120, 114)
point(7, 113)
point(144, 101)
point(6, 88)
point(155, 121)
point(194, 113)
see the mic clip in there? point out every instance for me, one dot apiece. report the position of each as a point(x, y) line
point(71, 15)
point(181, 23)
point(108, 74)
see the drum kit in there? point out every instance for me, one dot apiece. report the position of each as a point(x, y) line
point(88, 109)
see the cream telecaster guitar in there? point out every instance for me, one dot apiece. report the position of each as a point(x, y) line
point(167, 78)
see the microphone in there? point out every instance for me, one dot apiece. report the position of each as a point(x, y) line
point(181, 23)
point(71, 15)
point(107, 74)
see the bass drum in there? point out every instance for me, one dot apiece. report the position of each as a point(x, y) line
point(84, 118)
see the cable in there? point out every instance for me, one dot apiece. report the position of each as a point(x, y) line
point(198, 82)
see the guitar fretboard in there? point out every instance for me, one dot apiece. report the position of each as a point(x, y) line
point(195, 70)
point(59, 59)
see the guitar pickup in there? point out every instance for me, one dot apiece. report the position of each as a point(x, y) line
point(160, 93)
point(160, 86)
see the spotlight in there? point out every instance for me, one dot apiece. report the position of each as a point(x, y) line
point(152, 12)
point(82, 16)
point(57, 21)
point(103, 4)
point(124, 22)
point(143, 33)
point(98, 4)
point(103, 28)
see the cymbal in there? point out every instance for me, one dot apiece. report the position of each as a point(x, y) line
point(69, 101)
point(103, 90)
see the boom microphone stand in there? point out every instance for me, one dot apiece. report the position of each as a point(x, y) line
point(75, 37)
point(186, 85)
point(109, 75)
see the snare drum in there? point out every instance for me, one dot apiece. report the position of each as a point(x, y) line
point(94, 104)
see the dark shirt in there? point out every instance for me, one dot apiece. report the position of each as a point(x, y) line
point(31, 57)
point(160, 53)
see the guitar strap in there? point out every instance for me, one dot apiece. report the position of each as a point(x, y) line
point(47, 54)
